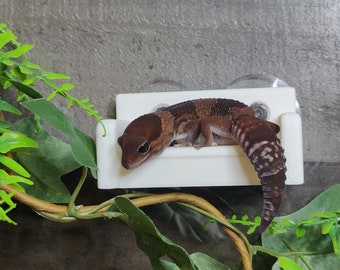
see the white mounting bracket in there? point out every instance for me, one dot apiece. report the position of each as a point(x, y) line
point(224, 165)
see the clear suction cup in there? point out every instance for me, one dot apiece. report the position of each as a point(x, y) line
point(260, 81)
point(257, 81)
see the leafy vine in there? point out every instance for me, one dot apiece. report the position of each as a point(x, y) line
point(24, 74)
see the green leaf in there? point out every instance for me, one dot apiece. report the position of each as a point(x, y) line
point(251, 230)
point(13, 165)
point(4, 217)
point(276, 228)
point(203, 261)
point(325, 214)
point(7, 85)
point(288, 264)
point(31, 65)
point(300, 232)
point(25, 89)
point(26, 70)
point(158, 264)
point(200, 260)
point(288, 222)
point(2, 68)
point(18, 51)
point(7, 107)
point(13, 179)
point(5, 38)
point(67, 86)
point(84, 100)
point(46, 164)
point(69, 104)
point(4, 124)
point(29, 81)
point(7, 179)
point(51, 95)
point(12, 140)
point(148, 237)
point(6, 198)
point(334, 234)
point(314, 240)
point(56, 76)
point(16, 72)
point(7, 62)
point(83, 147)
point(327, 226)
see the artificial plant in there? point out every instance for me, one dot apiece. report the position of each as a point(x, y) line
point(26, 163)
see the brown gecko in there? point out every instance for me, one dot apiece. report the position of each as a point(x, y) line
point(213, 119)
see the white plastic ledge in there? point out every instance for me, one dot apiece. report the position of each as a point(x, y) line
point(186, 166)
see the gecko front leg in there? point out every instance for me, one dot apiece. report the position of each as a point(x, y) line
point(215, 130)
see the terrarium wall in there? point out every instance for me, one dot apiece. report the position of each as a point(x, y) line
point(111, 47)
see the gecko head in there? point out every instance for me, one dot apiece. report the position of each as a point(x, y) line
point(141, 140)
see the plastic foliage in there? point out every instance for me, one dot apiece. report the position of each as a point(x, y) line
point(310, 237)
point(11, 141)
point(16, 70)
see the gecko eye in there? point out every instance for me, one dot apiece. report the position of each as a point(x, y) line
point(144, 147)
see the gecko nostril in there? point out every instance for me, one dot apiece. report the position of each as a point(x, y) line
point(261, 110)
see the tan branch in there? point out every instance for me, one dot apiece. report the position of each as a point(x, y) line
point(204, 205)
point(48, 207)
point(44, 206)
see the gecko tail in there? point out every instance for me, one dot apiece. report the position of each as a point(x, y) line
point(273, 189)
point(259, 142)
